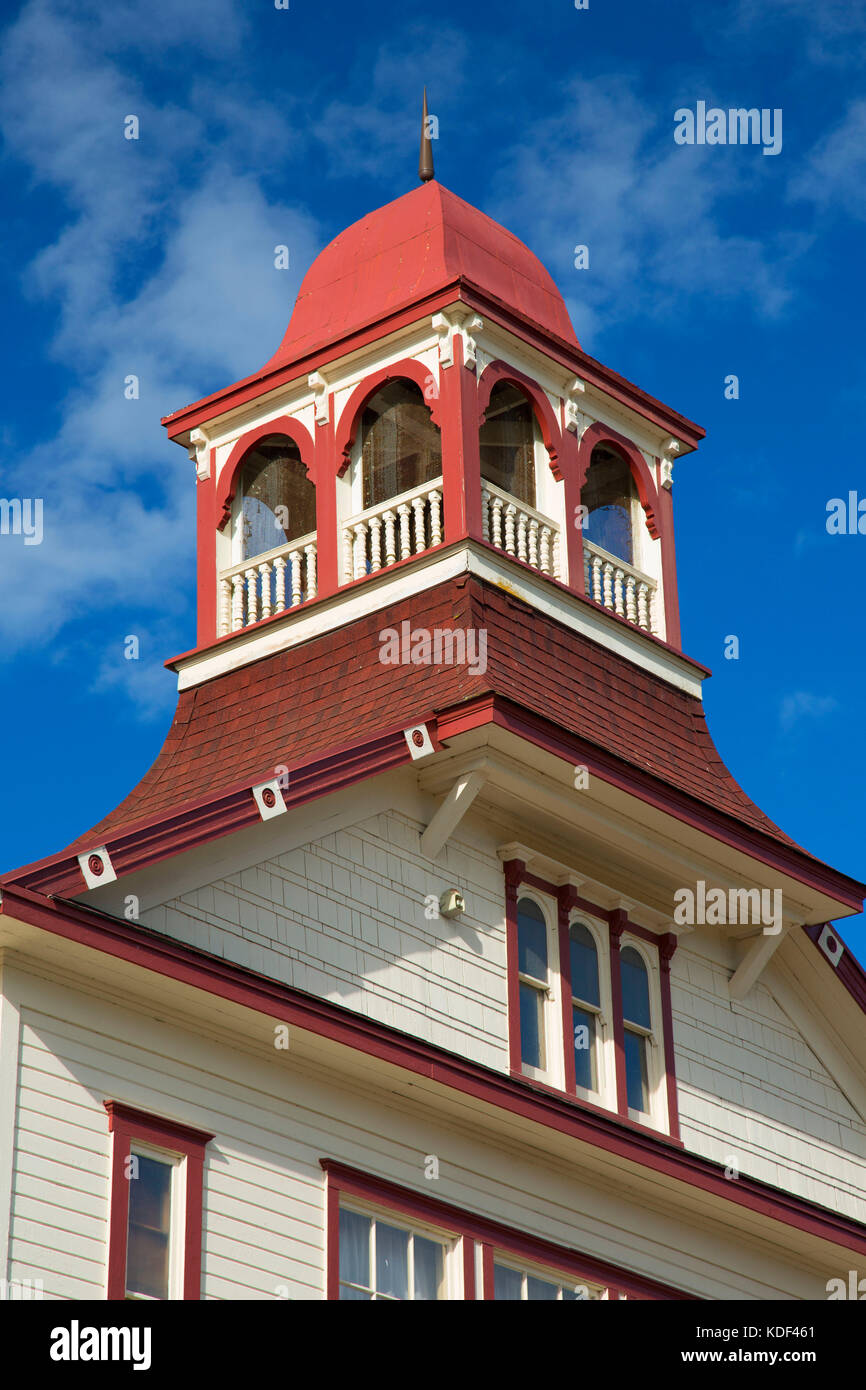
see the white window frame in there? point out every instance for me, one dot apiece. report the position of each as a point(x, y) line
point(655, 1051)
point(176, 1218)
point(605, 1045)
point(553, 1073)
point(451, 1264)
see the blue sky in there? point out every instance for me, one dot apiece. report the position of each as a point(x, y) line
point(261, 127)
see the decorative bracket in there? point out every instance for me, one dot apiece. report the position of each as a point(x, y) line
point(574, 420)
point(199, 452)
point(319, 387)
point(666, 462)
point(451, 811)
point(463, 324)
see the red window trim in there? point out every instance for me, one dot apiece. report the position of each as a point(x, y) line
point(472, 1230)
point(128, 1126)
point(618, 921)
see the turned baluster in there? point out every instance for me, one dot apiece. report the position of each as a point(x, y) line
point(642, 615)
point(418, 507)
point(596, 578)
point(225, 606)
point(630, 605)
point(252, 597)
point(618, 581)
point(375, 543)
point(359, 551)
point(533, 543)
point(485, 513)
point(510, 514)
point(297, 576)
point(405, 534)
point(607, 571)
point(265, 572)
point(347, 554)
point(557, 562)
point(237, 601)
point(390, 538)
point(312, 582)
point(522, 528)
point(435, 517)
point(496, 522)
point(544, 550)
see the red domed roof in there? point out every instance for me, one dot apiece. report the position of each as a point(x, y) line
point(420, 244)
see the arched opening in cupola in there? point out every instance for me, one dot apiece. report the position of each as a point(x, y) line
point(609, 495)
point(401, 448)
point(507, 443)
point(276, 500)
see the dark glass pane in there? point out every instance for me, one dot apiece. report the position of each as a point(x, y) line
point(278, 501)
point(531, 940)
point(531, 1029)
point(401, 446)
point(584, 965)
point(507, 443)
point(428, 1267)
point(506, 1282)
point(607, 494)
point(637, 1085)
point(354, 1248)
point(357, 1295)
point(392, 1261)
point(147, 1250)
point(635, 989)
point(584, 1048)
point(541, 1290)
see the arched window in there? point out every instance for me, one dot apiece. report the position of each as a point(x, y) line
point(638, 1027)
point(276, 499)
point(533, 974)
point(401, 447)
point(585, 1005)
point(608, 494)
point(507, 441)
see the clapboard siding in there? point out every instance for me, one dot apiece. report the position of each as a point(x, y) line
point(273, 1119)
point(344, 918)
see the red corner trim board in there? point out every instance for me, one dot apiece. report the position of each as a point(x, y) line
point(615, 1135)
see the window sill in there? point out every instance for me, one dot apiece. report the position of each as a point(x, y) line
point(578, 1103)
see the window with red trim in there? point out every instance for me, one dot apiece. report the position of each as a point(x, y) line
point(155, 1222)
point(589, 1001)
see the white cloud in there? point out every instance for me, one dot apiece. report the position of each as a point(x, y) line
point(803, 705)
point(834, 175)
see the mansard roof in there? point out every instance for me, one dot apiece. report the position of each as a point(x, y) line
point(330, 711)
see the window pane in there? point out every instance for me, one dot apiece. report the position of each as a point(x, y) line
point(147, 1251)
point(540, 1290)
point(584, 965)
point(584, 1049)
point(531, 1026)
point(635, 989)
point(392, 1261)
point(354, 1249)
point(531, 940)
point(401, 445)
point(507, 1283)
point(637, 1086)
point(607, 494)
point(278, 500)
point(428, 1267)
point(506, 443)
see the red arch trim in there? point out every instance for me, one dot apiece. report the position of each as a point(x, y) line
point(410, 370)
point(228, 480)
point(499, 371)
point(646, 488)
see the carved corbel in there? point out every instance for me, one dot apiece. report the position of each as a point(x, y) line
point(199, 452)
point(666, 462)
point(575, 420)
point(319, 387)
point(466, 325)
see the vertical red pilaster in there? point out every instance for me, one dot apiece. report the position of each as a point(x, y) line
point(206, 570)
point(514, 871)
point(669, 566)
point(570, 467)
point(566, 899)
point(618, 922)
point(461, 456)
point(327, 537)
point(667, 946)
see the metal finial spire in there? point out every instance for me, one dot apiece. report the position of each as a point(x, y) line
point(425, 159)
